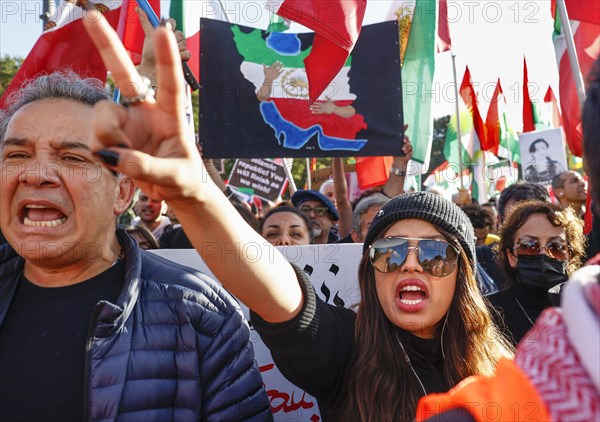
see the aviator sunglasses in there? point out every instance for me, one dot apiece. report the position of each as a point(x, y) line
point(437, 257)
point(556, 248)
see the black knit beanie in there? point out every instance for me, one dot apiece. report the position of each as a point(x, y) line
point(429, 207)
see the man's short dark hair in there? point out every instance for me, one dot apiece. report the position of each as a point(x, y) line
point(558, 182)
point(521, 191)
point(492, 202)
point(591, 131)
point(479, 218)
point(532, 147)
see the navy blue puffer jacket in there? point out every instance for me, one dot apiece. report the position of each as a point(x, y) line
point(175, 346)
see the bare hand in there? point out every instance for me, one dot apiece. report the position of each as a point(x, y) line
point(272, 72)
point(407, 148)
point(150, 138)
point(147, 66)
point(323, 107)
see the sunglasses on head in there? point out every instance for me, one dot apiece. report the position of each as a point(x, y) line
point(556, 248)
point(319, 211)
point(437, 257)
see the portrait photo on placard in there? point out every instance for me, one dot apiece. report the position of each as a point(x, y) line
point(542, 155)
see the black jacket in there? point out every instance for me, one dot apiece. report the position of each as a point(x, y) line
point(315, 350)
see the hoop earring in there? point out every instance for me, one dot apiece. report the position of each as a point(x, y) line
point(442, 335)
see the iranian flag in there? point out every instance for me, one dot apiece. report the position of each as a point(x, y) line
point(500, 175)
point(472, 155)
point(586, 35)
point(337, 25)
point(492, 121)
point(531, 118)
point(480, 185)
point(442, 178)
point(479, 144)
point(187, 14)
point(582, 10)
point(499, 131)
point(65, 44)
point(555, 119)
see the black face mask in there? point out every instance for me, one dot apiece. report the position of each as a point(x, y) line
point(540, 273)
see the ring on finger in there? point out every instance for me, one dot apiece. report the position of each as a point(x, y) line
point(146, 92)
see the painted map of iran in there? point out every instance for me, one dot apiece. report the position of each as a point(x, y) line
point(275, 66)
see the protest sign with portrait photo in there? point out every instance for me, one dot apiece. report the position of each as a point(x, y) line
point(542, 155)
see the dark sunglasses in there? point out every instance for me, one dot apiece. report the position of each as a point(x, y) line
point(437, 257)
point(556, 248)
point(319, 211)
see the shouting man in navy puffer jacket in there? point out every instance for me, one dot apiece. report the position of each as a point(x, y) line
point(92, 327)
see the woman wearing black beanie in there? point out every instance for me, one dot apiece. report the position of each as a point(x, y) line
point(421, 326)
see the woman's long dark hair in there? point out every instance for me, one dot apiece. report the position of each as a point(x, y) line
point(381, 384)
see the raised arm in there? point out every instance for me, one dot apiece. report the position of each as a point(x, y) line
point(340, 189)
point(395, 184)
point(271, 74)
point(146, 141)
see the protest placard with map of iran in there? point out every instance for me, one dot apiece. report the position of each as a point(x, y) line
point(254, 100)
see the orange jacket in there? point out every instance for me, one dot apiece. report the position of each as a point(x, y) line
point(506, 396)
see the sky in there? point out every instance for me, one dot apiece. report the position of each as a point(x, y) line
point(491, 37)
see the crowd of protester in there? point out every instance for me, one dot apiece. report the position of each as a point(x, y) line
point(448, 289)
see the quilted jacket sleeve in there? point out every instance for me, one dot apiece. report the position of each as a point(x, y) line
point(233, 389)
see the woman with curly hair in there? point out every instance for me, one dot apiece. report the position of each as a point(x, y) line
point(542, 245)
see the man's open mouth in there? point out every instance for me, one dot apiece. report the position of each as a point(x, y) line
point(42, 216)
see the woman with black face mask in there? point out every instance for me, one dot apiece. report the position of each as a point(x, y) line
point(542, 244)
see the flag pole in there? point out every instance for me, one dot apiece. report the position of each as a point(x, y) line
point(48, 11)
point(308, 181)
point(575, 69)
point(224, 12)
point(287, 166)
point(458, 132)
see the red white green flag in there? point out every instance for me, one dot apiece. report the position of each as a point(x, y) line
point(498, 130)
point(586, 35)
point(65, 44)
point(530, 113)
point(187, 14)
